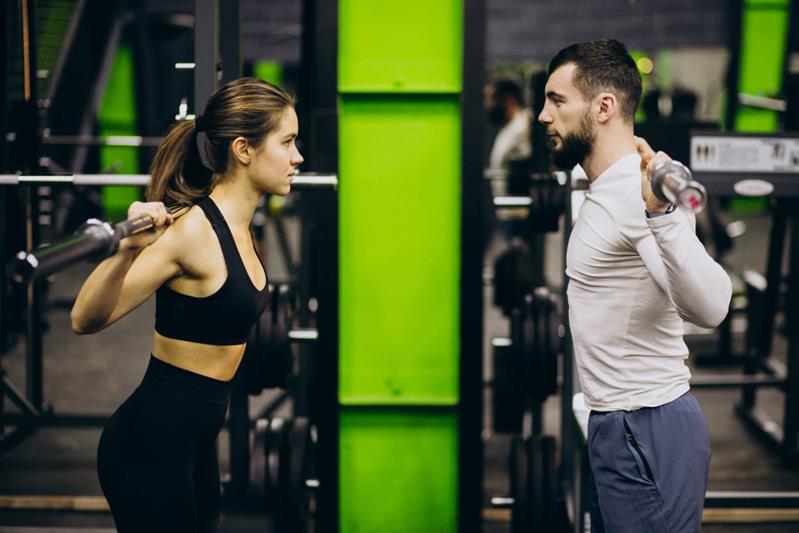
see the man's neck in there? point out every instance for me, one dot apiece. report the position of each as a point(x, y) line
point(607, 151)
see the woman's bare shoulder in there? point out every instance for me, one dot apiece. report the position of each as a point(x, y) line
point(190, 236)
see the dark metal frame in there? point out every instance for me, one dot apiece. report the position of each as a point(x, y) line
point(318, 115)
point(473, 224)
point(785, 435)
point(758, 372)
point(30, 402)
point(206, 51)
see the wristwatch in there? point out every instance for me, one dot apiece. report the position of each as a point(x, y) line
point(661, 213)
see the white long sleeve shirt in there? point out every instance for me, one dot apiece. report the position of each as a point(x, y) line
point(632, 282)
point(512, 141)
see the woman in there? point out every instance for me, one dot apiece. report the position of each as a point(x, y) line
point(157, 458)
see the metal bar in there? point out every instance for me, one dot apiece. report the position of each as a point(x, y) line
point(773, 277)
point(512, 201)
point(11, 438)
point(762, 102)
point(570, 469)
point(98, 91)
point(762, 425)
point(754, 499)
point(273, 405)
point(108, 140)
point(63, 420)
point(724, 381)
point(33, 319)
point(791, 409)
point(54, 503)
point(230, 39)
point(206, 51)
point(319, 86)
point(65, 49)
point(283, 246)
point(239, 431)
point(94, 240)
point(304, 335)
point(502, 502)
point(474, 215)
point(19, 399)
point(310, 180)
point(302, 181)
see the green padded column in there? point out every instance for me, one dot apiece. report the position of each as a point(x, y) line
point(399, 471)
point(399, 73)
point(411, 46)
point(399, 250)
point(117, 116)
point(764, 30)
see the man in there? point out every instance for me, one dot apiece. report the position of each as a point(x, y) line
point(506, 108)
point(636, 270)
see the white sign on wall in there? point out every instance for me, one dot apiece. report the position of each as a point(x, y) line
point(744, 154)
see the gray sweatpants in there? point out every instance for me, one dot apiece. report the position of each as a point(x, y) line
point(650, 468)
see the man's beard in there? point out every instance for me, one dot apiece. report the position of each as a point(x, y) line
point(575, 146)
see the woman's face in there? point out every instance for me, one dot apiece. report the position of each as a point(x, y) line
point(275, 162)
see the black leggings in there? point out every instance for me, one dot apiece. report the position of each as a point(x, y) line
point(157, 457)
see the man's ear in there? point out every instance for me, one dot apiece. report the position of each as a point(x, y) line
point(608, 107)
point(241, 150)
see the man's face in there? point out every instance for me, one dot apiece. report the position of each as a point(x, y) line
point(567, 117)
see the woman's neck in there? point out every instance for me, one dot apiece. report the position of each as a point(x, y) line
point(236, 200)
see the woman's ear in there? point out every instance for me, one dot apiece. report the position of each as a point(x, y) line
point(241, 150)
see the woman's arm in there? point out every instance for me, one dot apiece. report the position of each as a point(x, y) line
point(126, 279)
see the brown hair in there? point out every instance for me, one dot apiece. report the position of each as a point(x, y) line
point(247, 107)
point(603, 65)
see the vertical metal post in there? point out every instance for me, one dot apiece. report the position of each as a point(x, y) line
point(773, 277)
point(734, 21)
point(568, 473)
point(239, 419)
point(206, 51)
point(791, 419)
point(28, 137)
point(33, 334)
point(230, 39)
point(318, 88)
point(473, 220)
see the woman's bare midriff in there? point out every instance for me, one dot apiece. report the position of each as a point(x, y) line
point(217, 362)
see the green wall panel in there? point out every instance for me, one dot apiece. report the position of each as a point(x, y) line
point(399, 249)
point(398, 471)
point(400, 46)
point(270, 71)
point(117, 116)
point(763, 40)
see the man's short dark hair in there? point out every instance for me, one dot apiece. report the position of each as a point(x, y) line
point(507, 88)
point(603, 65)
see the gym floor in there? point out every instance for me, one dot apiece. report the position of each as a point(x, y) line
point(94, 374)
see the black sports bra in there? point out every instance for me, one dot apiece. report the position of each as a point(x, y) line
point(225, 317)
